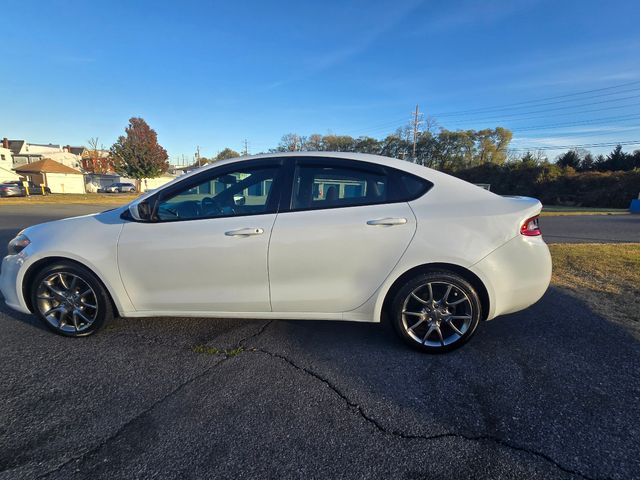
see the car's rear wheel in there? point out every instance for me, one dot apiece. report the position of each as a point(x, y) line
point(436, 312)
point(70, 300)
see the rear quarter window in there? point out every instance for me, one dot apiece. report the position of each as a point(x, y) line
point(407, 187)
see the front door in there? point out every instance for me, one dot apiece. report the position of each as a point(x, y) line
point(207, 251)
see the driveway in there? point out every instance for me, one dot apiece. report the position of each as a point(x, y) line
point(551, 392)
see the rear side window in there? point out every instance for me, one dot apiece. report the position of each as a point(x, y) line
point(346, 183)
point(407, 187)
point(323, 186)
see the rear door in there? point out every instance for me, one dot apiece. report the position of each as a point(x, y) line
point(345, 229)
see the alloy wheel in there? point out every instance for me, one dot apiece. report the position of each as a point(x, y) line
point(437, 314)
point(67, 302)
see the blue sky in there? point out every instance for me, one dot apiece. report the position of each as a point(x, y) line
point(214, 73)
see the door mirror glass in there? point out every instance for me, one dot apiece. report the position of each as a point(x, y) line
point(140, 211)
point(239, 200)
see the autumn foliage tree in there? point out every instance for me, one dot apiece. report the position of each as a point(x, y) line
point(137, 154)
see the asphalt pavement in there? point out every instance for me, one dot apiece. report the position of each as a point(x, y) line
point(550, 392)
point(591, 228)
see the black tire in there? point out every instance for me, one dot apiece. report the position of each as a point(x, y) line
point(425, 312)
point(43, 299)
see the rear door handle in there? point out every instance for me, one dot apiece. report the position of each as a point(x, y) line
point(387, 221)
point(244, 232)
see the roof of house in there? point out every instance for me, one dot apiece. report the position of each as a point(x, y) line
point(46, 165)
point(77, 150)
point(15, 146)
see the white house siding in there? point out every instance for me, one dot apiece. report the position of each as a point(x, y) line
point(65, 158)
point(7, 175)
point(153, 183)
point(6, 164)
point(65, 182)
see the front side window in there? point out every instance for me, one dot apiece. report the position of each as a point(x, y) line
point(318, 186)
point(240, 192)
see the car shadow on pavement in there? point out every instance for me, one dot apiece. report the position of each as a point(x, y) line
point(21, 318)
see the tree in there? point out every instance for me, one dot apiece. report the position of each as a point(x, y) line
point(313, 143)
point(491, 145)
point(227, 153)
point(137, 154)
point(96, 159)
point(569, 159)
point(636, 158)
point(587, 163)
point(290, 142)
point(619, 160)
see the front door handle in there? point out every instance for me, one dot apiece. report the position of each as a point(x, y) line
point(387, 221)
point(244, 232)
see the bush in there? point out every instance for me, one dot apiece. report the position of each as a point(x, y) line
point(554, 185)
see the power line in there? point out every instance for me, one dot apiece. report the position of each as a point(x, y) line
point(384, 127)
point(585, 145)
point(631, 116)
point(572, 135)
point(546, 110)
point(556, 102)
point(537, 100)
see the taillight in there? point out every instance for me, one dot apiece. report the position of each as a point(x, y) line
point(530, 227)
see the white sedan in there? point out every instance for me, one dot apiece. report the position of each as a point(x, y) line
point(319, 236)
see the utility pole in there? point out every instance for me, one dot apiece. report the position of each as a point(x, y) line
point(245, 150)
point(416, 122)
point(198, 154)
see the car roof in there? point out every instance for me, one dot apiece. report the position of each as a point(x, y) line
point(408, 166)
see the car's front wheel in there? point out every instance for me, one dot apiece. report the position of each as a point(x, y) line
point(70, 299)
point(436, 312)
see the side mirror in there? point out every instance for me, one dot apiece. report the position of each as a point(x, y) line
point(140, 211)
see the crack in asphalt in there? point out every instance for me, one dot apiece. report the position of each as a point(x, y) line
point(350, 403)
point(122, 427)
point(405, 436)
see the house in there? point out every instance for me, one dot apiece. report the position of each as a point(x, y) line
point(25, 153)
point(6, 163)
point(58, 177)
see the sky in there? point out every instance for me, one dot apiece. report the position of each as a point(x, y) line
point(211, 74)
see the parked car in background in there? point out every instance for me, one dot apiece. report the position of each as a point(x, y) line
point(17, 189)
point(119, 187)
point(314, 236)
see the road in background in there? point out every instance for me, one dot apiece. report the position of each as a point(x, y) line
point(591, 228)
point(14, 218)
